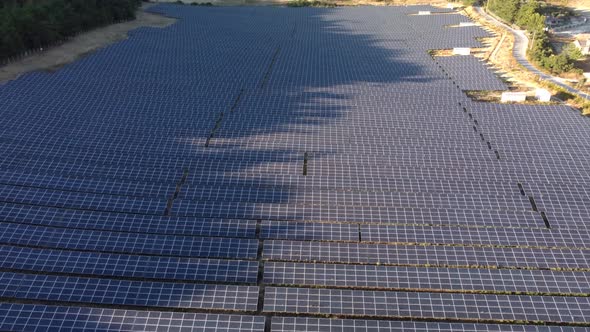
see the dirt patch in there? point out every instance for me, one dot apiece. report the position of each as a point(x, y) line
point(81, 45)
point(575, 4)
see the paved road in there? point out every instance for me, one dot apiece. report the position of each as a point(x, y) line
point(521, 42)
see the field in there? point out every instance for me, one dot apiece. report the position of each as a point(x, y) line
point(289, 169)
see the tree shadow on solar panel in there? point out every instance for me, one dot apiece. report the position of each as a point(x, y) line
point(229, 106)
point(316, 79)
point(221, 115)
point(131, 162)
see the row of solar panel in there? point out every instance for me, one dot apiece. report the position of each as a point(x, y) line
point(318, 301)
point(306, 251)
point(571, 178)
point(277, 124)
point(37, 318)
point(295, 250)
point(507, 201)
point(391, 233)
point(134, 223)
point(561, 236)
point(437, 216)
point(132, 243)
point(427, 305)
point(280, 211)
point(192, 146)
point(324, 168)
point(427, 278)
point(285, 273)
point(189, 147)
point(559, 199)
point(125, 292)
point(476, 153)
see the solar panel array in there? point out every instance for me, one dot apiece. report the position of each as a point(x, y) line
point(467, 72)
point(265, 168)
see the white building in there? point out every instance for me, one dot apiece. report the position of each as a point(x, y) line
point(583, 44)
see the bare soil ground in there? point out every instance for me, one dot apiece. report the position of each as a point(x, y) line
point(576, 4)
point(81, 45)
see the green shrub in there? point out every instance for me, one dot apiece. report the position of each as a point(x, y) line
point(557, 63)
point(572, 52)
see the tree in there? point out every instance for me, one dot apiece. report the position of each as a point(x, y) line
point(572, 52)
point(526, 15)
point(10, 40)
point(505, 9)
point(558, 63)
point(29, 24)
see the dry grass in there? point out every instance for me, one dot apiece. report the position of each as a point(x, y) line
point(441, 52)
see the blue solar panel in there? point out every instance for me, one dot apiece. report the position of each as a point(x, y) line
point(31, 317)
point(132, 243)
point(132, 223)
point(359, 325)
point(249, 163)
point(123, 292)
point(128, 266)
point(427, 305)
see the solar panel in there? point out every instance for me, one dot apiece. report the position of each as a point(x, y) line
point(427, 305)
point(131, 266)
point(361, 325)
point(308, 231)
point(427, 278)
point(164, 245)
point(63, 199)
point(491, 236)
point(470, 73)
point(425, 255)
point(108, 187)
point(250, 163)
point(133, 223)
point(123, 292)
point(35, 317)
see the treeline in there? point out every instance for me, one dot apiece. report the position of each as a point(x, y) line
point(311, 3)
point(32, 24)
point(527, 15)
